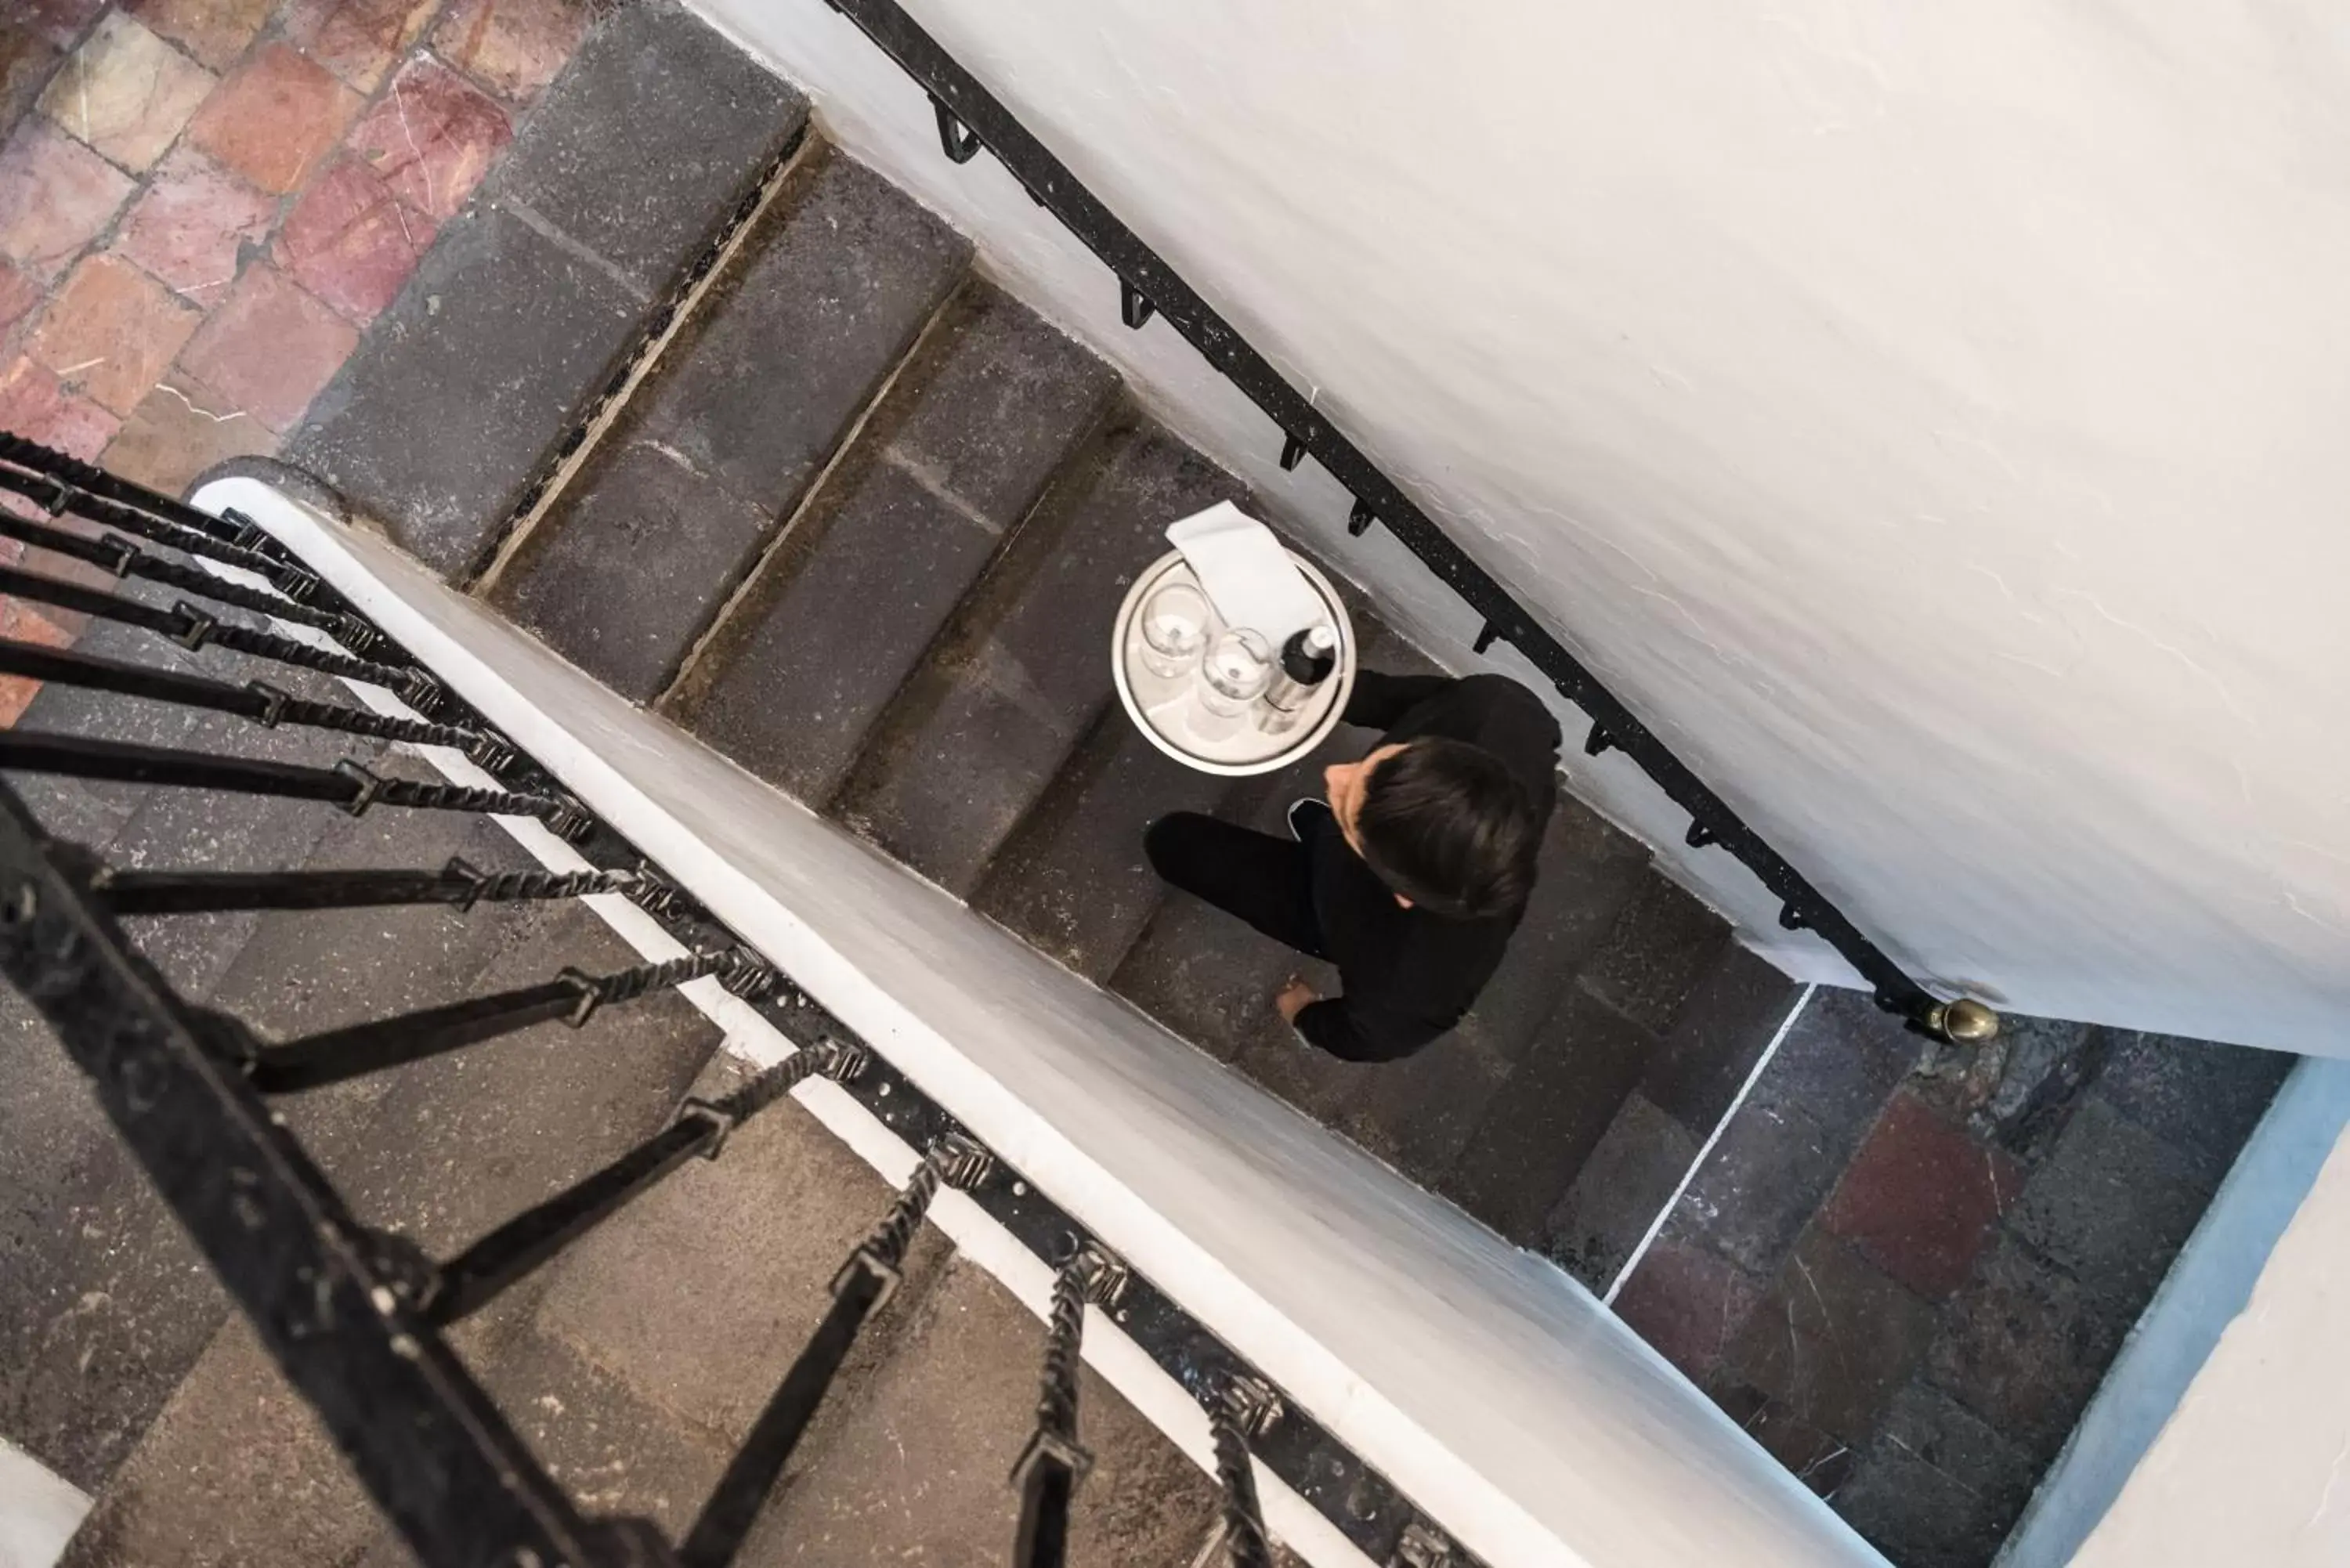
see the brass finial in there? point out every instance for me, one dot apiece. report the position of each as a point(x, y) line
point(1965, 1022)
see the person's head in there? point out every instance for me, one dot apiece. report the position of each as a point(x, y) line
point(1443, 825)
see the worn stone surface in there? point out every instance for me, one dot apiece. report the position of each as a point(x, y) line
point(215, 31)
point(28, 61)
point(1819, 1461)
point(357, 39)
point(916, 1472)
point(1654, 954)
point(2024, 1346)
point(1919, 1198)
point(110, 332)
point(1585, 1064)
point(1419, 1114)
point(1835, 1339)
point(2201, 1100)
point(270, 348)
point(1719, 1032)
point(275, 118)
point(2113, 1204)
point(947, 466)
point(1625, 1183)
point(1939, 1488)
point(126, 92)
point(349, 243)
point(37, 405)
point(647, 138)
point(193, 223)
point(979, 730)
point(639, 559)
point(431, 137)
point(1772, 1169)
point(1690, 1304)
point(55, 196)
point(513, 47)
point(438, 420)
point(180, 430)
point(758, 393)
point(1072, 881)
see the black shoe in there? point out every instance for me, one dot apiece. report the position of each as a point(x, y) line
point(1306, 814)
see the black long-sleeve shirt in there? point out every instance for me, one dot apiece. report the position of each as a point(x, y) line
point(1410, 975)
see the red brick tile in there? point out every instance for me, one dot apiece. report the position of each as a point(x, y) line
point(216, 31)
point(36, 405)
point(513, 47)
point(432, 137)
point(126, 92)
point(270, 348)
point(26, 61)
point(1689, 1303)
point(55, 196)
point(182, 430)
point(359, 40)
point(193, 223)
point(1919, 1198)
point(61, 22)
point(18, 295)
point(349, 243)
point(1833, 1339)
point(21, 622)
point(275, 118)
point(111, 331)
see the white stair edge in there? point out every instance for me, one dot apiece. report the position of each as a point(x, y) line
point(39, 1510)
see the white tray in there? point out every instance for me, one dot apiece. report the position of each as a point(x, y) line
point(1170, 713)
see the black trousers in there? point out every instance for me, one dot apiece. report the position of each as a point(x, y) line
point(1265, 880)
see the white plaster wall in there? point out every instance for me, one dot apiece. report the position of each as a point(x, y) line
point(2254, 1469)
point(1928, 417)
point(1489, 1386)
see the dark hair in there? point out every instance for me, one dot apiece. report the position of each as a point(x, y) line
point(1444, 824)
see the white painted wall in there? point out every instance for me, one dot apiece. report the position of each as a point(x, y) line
point(2253, 1469)
point(39, 1510)
point(1929, 417)
point(1485, 1383)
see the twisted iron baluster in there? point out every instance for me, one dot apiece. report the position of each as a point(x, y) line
point(1245, 1537)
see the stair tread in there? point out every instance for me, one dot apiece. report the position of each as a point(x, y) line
point(747, 403)
point(1072, 881)
point(979, 729)
point(527, 299)
point(873, 568)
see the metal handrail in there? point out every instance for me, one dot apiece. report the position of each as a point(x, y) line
point(970, 119)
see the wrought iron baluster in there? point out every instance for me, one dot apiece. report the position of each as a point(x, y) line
point(1231, 1413)
point(128, 892)
point(192, 629)
point(571, 997)
point(1054, 1465)
point(863, 1288)
point(347, 784)
point(256, 700)
point(125, 559)
point(296, 582)
point(97, 482)
point(475, 1277)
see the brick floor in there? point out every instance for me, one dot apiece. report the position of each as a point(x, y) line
point(203, 204)
point(1920, 1198)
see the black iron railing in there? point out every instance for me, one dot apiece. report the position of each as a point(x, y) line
point(970, 119)
point(355, 1316)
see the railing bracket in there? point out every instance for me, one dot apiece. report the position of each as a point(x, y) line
point(1132, 308)
point(1486, 636)
point(369, 786)
point(962, 142)
point(963, 1160)
point(273, 703)
point(1293, 452)
point(1256, 1405)
point(1359, 520)
point(1598, 742)
point(1699, 835)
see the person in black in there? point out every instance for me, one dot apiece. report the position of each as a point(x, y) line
point(1410, 878)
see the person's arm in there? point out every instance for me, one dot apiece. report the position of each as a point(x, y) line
point(1379, 700)
point(1355, 1033)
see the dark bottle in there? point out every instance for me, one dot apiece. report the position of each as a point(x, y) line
point(1307, 661)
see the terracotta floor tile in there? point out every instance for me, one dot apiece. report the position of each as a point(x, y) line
point(513, 47)
point(216, 31)
point(126, 92)
point(275, 118)
point(1920, 1198)
point(36, 405)
point(55, 196)
point(1690, 1304)
point(270, 348)
point(359, 40)
point(19, 292)
point(111, 331)
point(432, 137)
point(182, 430)
point(349, 241)
point(190, 226)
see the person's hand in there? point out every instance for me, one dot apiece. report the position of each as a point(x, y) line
point(1295, 998)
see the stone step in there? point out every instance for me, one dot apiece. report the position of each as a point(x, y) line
point(517, 317)
point(235, 1471)
point(736, 423)
point(836, 618)
point(1072, 881)
point(974, 737)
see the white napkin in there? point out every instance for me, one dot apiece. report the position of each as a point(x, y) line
point(1246, 575)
